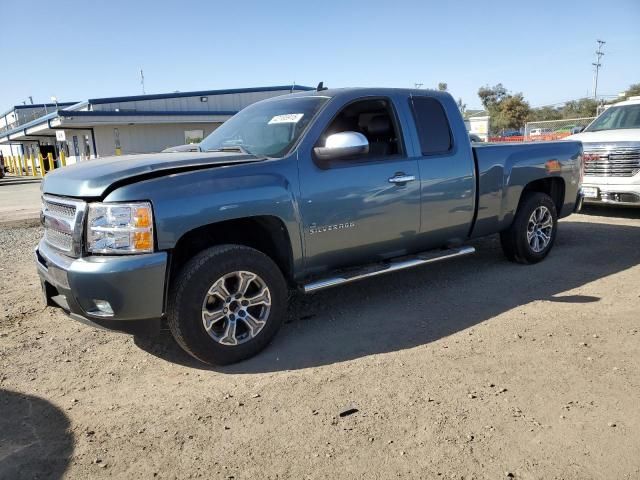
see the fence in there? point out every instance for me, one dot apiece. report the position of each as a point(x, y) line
point(555, 129)
point(546, 130)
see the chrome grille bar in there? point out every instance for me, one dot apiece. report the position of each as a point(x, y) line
point(63, 219)
point(612, 161)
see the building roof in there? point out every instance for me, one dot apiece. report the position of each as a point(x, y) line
point(79, 109)
point(37, 105)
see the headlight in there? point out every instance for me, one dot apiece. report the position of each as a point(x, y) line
point(118, 228)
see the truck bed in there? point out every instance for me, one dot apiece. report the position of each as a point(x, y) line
point(503, 170)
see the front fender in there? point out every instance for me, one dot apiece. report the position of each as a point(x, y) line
point(186, 201)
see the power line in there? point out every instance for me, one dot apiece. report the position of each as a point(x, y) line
point(597, 65)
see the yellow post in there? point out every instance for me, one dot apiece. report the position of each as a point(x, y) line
point(33, 164)
point(41, 162)
point(10, 162)
point(63, 158)
point(50, 158)
point(18, 167)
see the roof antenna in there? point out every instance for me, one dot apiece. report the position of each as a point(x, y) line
point(293, 86)
point(321, 87)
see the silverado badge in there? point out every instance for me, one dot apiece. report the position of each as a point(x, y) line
point(313, 228)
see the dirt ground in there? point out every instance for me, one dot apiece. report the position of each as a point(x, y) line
point(475, 368)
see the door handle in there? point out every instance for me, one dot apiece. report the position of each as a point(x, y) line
point(401, 178)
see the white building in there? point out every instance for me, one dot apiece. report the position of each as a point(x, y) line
point(103, 127)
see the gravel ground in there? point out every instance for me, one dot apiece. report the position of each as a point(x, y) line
point(475, 368)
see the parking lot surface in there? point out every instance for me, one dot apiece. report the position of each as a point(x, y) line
point(475, 368)
point(19, 198)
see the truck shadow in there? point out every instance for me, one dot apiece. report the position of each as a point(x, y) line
point(35, 440)
point(612, 211)
point(415, 307)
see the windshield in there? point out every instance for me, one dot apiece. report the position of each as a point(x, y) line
point(268, 128)
point(615, 118)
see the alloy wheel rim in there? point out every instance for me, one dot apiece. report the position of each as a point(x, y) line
point(236, 308)
point(539, 229)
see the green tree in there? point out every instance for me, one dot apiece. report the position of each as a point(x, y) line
point(442, 86)
point(632, 91)
point(513, 112)
point(492, 96)
point(585, 107)
point(507, 110)
point(544, 113)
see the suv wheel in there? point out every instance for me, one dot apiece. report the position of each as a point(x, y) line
point(530, 237)
point(226, 304)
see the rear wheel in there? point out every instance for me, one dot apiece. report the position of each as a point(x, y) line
point(226, 304)
point(530, 237)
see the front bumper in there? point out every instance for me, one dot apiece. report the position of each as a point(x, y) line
point(133, 285)
point(615, 194)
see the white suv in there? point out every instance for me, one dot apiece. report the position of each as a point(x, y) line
point(612, 155)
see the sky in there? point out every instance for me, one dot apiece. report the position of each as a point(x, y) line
point(79, 50)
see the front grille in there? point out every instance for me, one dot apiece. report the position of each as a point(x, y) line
point(62, 219)
point(613, 161)
point(66, 211)
point(57, 239)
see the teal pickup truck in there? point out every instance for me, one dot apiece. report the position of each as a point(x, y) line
point(304, 191)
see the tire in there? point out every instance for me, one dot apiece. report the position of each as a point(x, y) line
point(205, 323)
point(519, 240)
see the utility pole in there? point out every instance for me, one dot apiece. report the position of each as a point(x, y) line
point(597, 65)
point(142, 81)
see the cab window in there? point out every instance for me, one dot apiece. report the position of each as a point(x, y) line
point(373, 118)
point(433, 128)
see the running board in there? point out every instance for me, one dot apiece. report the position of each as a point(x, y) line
point(410, 262)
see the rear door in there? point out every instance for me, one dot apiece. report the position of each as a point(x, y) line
point(447, 173)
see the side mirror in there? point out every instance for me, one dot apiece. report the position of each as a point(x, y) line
point(577, 129)
point(343, 144)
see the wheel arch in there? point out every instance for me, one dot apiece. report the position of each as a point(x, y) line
point(552, 186)
point(266, 233)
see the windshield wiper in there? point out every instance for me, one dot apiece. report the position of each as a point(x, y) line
point(232, 148)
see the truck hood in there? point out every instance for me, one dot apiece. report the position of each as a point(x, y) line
point(94, 177)
point(605, 136)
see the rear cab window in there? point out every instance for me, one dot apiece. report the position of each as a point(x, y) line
point(432, 125)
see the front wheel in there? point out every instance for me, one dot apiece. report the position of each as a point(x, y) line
point(226, 304)
point(530, 237)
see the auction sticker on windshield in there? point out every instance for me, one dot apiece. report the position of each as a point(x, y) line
point(287, 118)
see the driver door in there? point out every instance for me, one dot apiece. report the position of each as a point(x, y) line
point(361, 208)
